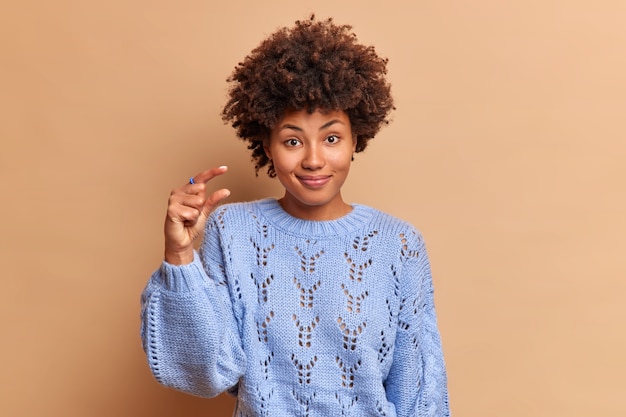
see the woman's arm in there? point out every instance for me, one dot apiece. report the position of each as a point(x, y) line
point(417, 381)
point(189, 331)
point(188, 327)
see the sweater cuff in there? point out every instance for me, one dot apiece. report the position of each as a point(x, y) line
point(183, 278)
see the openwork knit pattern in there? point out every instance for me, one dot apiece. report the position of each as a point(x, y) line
point(300, 318)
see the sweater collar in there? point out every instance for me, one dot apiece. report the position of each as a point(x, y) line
point(274, 213)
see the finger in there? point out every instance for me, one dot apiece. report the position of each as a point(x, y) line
point(189, 200)
point(214, 199)
point(209, 174)
point(187, 216)
point(218, 196)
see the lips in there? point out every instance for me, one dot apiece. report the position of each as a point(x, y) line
point(314, 181)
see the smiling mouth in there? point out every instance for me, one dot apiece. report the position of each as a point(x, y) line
point(314, 181)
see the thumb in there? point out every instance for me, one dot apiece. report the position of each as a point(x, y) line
point(213, 200)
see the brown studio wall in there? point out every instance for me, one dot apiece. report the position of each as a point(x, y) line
point(506, 151)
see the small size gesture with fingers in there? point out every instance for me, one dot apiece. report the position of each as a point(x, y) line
point(304, 304)
point(187, 211)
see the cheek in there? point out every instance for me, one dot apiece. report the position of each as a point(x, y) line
point(283, 162)
point(342, 160)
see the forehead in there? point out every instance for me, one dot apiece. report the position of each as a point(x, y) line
point(316, 119)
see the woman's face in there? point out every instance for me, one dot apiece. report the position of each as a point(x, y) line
point(311, 153)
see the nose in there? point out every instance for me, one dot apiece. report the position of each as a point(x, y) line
point(313, 158)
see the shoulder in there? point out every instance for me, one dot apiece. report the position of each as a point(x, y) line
point(237, 208)
point(240, 213)
point(390, 225)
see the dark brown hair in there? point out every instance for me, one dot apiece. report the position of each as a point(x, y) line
point(312, 65)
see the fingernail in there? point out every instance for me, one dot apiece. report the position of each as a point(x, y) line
point(223, 167)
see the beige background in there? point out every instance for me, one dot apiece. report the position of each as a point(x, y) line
point(507, 150)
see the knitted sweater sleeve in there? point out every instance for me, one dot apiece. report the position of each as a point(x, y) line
point(188, 329)
point(417, 381)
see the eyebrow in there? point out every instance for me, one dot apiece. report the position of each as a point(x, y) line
point(299, 129)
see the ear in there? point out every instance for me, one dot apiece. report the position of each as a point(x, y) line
point(354, 141)
point(266, 147)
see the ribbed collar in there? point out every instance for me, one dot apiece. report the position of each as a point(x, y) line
point(271, 209)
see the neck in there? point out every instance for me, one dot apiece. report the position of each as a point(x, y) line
point(316, 213)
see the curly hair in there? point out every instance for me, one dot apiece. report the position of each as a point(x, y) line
point(315, 65)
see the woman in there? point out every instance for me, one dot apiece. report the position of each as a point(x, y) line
point(305, 305)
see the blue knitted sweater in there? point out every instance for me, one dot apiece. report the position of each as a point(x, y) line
point(300, 318)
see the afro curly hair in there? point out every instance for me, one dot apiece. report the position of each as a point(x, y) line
point(315, 65)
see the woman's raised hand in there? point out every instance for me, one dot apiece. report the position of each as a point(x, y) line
point(187, 212)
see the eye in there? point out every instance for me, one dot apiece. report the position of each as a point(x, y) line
point(332, 139)
point(292, 142)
